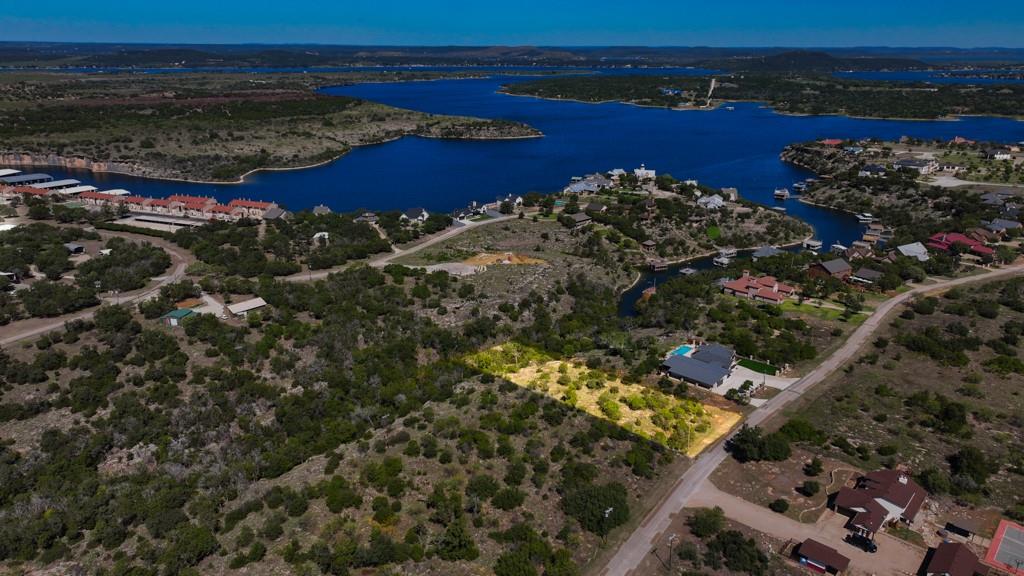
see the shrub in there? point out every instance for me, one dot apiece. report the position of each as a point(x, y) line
point(810, 488)
point(779, 505)
point(706, 522)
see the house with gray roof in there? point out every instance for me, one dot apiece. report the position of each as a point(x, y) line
point(837, 268)
point(708, 367)
point(1002, 226)
point(914, 250)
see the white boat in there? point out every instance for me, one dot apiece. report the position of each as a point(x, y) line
point(838, 248)
point(865, 218)
point(722, 261)
point(800, 186)
point(779, 209)
point(727, 252)
point(782, 193)
point(687, 271)
point(730, 108)
point(812, 244)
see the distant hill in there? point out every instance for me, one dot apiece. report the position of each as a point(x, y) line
point(811, 61)
point(768, 59)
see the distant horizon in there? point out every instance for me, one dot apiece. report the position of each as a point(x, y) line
point(570, 23)
point(503, 45)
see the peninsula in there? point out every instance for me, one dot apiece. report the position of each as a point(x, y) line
point(212, 127)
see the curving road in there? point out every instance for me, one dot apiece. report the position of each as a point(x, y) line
point(632, 552)
point(178, 260)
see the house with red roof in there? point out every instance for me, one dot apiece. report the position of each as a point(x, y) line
point(945, 241)
point(879, 498)
point(21, 190)
point(832, 142)
point(759, 288)
point(252, 208)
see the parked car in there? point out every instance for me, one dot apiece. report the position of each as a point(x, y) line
point(863, 542)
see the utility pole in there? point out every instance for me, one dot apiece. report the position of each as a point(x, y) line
point(672, 539)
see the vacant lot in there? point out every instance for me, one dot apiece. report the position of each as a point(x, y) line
point(942, 378)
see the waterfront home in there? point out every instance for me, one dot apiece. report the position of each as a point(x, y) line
point(758, 288)
point(591, 184)
point(644, 173)
point(253, 208)
point(649, 245)
point(945, 241)
point(596, 207)
point(831, 142)
point(415, 215)
point(872, 171)
point(321, 210)
point(837, 268)
point(821, 558)
point(879, 498)
point(998, 154)
point(713, 202)
point(953, 559)
point(922, 166)
point(242, 309)
point(368, 217)
point(914, 250)
point(580, 220)
point(708, 367)
point(730, 194)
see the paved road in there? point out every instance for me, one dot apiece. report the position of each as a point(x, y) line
point(385, 259)
point(632, 552)
point(46, 325)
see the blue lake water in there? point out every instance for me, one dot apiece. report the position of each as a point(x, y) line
point(722, 148)
point(738, 148)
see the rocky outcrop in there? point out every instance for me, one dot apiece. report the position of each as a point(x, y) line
point(36, 160)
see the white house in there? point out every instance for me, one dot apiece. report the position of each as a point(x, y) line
point(713, 202)
point(642, 173)
point(415, 215)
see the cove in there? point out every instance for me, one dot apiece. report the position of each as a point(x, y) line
point(738, 148)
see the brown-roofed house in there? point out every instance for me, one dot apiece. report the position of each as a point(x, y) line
point(879, 498)
point(954, 559)
point(837, 268)
point(822, 558)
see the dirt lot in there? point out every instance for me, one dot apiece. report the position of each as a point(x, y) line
point(762, 482)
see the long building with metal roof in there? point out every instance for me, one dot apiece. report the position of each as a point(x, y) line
point(25, 179)
point(57, 184)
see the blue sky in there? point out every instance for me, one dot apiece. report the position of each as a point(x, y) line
point(547, 22)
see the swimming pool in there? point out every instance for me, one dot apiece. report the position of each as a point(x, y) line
point(681, 350)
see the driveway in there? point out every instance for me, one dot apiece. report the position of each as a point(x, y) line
point(894, 557)
point(741, 374)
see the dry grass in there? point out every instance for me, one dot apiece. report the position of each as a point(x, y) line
point(488, 259)
point(683, 424)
